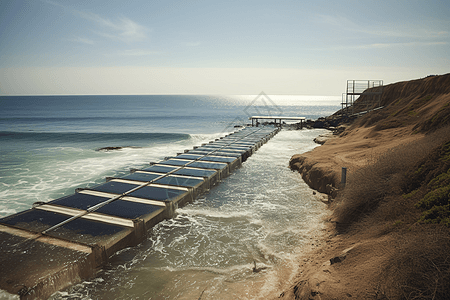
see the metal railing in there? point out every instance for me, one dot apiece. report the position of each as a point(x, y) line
point(357, 88)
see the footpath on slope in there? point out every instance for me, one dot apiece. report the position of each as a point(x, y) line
point(355, 259)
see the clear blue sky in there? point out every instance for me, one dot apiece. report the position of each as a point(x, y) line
point(217, 47)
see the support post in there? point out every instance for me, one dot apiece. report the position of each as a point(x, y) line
point(343, 177)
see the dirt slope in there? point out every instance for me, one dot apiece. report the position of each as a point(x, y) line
point(412, 109)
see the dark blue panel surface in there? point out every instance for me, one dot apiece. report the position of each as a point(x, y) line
point(115, 187)
point(228, 154)
point(222, 150)
point(128, 209)
point(229, 150)
point(89, 232)
point(142, 176)
point(212, 146)
point(205, 165)
point(234, 147)
point(218, 159)
point(80, 201)
point(188, 156)
point(196, 173)
point(180, 181)
point(118, 208)
point(200, 152)
point(242, 145)
point(160, 169)
point(157, 193)
point(83, 227)
point(79, 230)
point(34, 219)
point(174, 162)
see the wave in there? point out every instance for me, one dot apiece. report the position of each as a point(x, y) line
point(90, 137)
point(53, 119)
point(189, 211)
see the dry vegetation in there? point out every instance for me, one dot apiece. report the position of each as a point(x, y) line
point(397, 193)
point(398, 172)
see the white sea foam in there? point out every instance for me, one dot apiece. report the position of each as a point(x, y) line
point(4, 295)
point(58, 171)
point(219, 214)
point(4, 211)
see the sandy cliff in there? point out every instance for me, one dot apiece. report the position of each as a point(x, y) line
point(412, 109)
point(378, 245)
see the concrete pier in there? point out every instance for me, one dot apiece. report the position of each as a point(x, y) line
point(64, 241)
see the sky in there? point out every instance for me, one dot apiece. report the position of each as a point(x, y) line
point(59, 47)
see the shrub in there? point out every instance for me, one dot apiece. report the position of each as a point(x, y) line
point(437, 215)
point(420, 269)
point(434, 177)
point(436, 197)
point(440, 180)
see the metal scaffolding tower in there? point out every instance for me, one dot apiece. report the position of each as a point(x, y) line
point(370, 89)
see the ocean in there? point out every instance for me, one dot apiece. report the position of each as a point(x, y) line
point(262, 213)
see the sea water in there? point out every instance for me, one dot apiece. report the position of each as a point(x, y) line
point(263, 213)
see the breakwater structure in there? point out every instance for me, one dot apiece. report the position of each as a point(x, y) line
point(64, 241)
point(277, 121)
